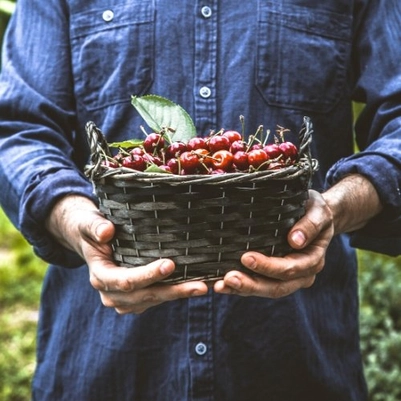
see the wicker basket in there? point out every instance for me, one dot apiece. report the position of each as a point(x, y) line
point(204, 223)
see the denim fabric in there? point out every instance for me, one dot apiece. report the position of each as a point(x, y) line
point(66, 62)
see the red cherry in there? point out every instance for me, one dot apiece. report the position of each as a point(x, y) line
point(196, 143)
point(175, 149)
point(218, 171)
point(218, 142)
point(110, 163)
point(275, 165)
point(289, 150)
point(273, 150)
point(150, 159)
point(153, 142)
point(204, 157)
point(174, 165)
point(256, 146)
point(257, 157)
point(232, 136)
point(135, 162)
point(137, 151)
point(237, 146)
point(240, 160)
point(189, 162)
point(222, 159)
point(166, 168)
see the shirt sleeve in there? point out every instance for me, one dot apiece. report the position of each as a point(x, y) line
point(377, 71)
point(41, 154)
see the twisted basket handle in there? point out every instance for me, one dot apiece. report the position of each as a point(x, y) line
point(98, 146)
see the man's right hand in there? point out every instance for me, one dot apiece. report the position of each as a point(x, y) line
point(78, 225)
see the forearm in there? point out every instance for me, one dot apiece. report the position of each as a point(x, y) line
point(353, 201)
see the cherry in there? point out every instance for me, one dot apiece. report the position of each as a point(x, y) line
point(189, 161)
point(196, 143)
point(289, 150)
point(219, 142)
point(174, 165)
point(135, 162)
point(222, 159)
point(166, 168)
point(232, 136)
point(175, 149)
point(237, 146)
point(111, 163)
point(151, 159)
point(273, 150)
point(240, 160)
point(256, 146)
point(153, 142)
point(218, 171)
point(204, 157)
point(257, 157)
point(137, 151)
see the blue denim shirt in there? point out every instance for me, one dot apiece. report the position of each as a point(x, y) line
point(69, 61)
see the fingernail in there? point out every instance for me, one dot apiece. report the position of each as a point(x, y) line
point(166, 268)
point(249, 262)
point(298, 238)
point(99, 229)
point(196, 293)
point(234, 282)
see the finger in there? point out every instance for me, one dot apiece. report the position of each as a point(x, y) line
point(141, 300)
point(238, 283)
point(317, 219)
point(106, 276)
point(293, 266)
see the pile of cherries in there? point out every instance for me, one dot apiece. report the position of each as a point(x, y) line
point(221, 152)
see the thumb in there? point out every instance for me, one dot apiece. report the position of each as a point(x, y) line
point(99, 228)
point(297, 238)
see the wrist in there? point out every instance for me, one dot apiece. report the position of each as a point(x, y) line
point(62, 220)
point(353, 201)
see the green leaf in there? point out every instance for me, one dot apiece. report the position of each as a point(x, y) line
point(153, 168)
point(161, 113)
point(130, 143)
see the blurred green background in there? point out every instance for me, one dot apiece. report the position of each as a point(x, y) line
point(21, 275)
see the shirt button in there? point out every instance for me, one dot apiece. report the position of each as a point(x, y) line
point(205, 92)
point(108, 15)
point(201, 349)
point(206, 11)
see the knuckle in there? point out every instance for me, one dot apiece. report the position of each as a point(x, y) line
point(290, 273)
point(125, 285)
point(96, 283)
point(150, 298)
point(107, 301)
point(279, 290)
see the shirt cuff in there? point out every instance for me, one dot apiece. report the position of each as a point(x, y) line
point(383, 233)
point(40, 197)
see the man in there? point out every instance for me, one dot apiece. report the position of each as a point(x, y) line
point(289, 335)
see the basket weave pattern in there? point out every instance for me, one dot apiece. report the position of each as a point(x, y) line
point(204, 223)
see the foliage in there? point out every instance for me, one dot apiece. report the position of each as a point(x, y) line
point(21, 275)
point(380, 324)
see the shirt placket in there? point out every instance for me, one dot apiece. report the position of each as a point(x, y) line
point(200, 348)
point(206, 31)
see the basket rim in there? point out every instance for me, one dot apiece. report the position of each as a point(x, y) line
point(96, 171)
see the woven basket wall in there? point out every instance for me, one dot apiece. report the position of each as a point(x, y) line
point(204, 223)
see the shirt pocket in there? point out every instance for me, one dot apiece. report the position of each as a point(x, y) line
point(302, 56)
point(112, 53)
